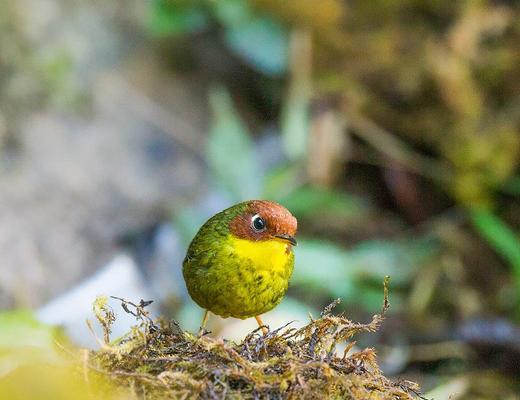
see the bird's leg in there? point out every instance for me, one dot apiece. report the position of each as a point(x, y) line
point(261, 324)
point(203, 323)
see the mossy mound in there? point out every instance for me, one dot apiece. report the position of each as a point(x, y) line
point(159, 360)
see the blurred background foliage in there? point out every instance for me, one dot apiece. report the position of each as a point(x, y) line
point(389, 128)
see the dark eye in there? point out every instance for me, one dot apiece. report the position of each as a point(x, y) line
point(258, 223)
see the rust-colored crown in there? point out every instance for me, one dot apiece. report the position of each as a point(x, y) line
point(278, 221)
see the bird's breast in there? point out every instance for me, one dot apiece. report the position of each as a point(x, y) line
point(270, 255)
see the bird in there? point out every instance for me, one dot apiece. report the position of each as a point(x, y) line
point(240, 261)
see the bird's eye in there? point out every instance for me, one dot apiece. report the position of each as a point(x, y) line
point(258, 223)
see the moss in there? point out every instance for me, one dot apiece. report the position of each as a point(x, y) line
point(158, 359)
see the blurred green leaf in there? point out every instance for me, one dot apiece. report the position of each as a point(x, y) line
point(500, 236)
point(21, 329)
point(281, 181)
point(232, 12)
point(295, 114)
point(231, 153)
point(261, 42)
point(349, 274)
point(374, 259)
point(310, 201)
point(175, 18)
point(295, 127)
point(371, 297)
point(25, 341)
point(321, 266)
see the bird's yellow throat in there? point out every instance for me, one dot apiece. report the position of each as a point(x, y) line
point(267, 254)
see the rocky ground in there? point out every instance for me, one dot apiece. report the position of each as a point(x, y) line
point(83, 170)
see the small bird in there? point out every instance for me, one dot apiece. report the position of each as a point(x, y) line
point(240, 261)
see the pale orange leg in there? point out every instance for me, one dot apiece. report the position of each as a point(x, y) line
point(260, 323)
point(203, 323)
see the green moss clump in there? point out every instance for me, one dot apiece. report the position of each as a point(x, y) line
point(157, 360)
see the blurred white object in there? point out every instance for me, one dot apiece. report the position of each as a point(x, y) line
point(122, 278)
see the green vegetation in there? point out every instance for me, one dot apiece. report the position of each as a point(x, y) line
point(158, 359)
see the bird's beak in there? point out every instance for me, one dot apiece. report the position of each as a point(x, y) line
point(287, 238)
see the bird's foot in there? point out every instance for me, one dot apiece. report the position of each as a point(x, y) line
point(265, 328)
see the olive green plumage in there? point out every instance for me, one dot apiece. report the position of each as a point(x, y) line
point(235, 277)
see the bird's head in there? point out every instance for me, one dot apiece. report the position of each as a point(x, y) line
point(261, 220)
